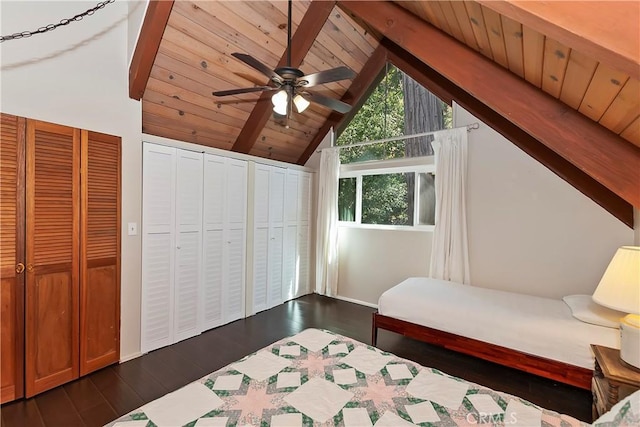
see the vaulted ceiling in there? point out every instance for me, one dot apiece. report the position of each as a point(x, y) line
point(559, 79)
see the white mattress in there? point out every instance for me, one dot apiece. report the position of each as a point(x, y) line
point(539, 326)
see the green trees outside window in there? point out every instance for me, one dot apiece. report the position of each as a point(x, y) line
point(397, 106)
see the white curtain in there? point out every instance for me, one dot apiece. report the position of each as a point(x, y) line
point(450, 248)
point(327, 226)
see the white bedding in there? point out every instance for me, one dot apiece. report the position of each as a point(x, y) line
point(538, 326)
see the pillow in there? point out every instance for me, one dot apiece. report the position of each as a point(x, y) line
point(624, 413)
point(584, 309)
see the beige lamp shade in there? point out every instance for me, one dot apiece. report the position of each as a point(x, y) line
point(619, 287)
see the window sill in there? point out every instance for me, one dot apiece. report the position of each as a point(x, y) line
point(422, 228)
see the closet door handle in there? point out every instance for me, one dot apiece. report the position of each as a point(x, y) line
point(29, 268)
point(19, 268)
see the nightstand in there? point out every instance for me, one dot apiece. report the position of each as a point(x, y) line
point(612, 379)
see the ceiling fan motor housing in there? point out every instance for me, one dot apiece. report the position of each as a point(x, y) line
point(289, 73)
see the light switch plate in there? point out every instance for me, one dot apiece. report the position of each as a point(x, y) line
point(132, 229)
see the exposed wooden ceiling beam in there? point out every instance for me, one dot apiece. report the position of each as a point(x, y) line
point(436, 83)
point(608, 31)
point(354, 96)
point(604, 156)
point(306, 33)
point(155, 21)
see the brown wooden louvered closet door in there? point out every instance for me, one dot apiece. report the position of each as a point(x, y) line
point(100, 261)
point(12, 136)
point(53, 249)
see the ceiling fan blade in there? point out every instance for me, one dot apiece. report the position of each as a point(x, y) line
point(254, 63)
point(327, 76)
point(334, 104)
point(243, 90)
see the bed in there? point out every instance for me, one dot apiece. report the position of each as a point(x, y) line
point(533, 334)
point(321, 378)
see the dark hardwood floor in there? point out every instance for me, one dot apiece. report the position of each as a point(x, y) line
point(111, 392)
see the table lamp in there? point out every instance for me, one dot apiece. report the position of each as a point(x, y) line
point(619, 289)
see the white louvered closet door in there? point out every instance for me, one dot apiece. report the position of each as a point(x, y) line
point(158, 241)
point(304, 195)
point(276, 234)
point(291, 197)
point(260, 238)
point(213, 225)
point(188, 274)
point(235, 240)
point(290, 237)
point(275, 267)
point(304, 238)
point(289, 262)
point(225, 240)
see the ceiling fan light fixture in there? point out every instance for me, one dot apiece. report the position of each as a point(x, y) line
point(280, 100)
point(301, 103)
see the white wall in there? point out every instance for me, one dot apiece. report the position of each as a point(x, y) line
point(136, 11)
point(371, 261)
point(529, 230)
point(78, 76)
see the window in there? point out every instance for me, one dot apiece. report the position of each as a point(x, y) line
point(347, 199)
point(391, 184)
point(387, 197)
point(426, 198)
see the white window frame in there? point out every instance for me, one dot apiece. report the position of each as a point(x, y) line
point(358, 170)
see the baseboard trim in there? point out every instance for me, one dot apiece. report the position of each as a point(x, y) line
point(130, 357)
point(355, 301)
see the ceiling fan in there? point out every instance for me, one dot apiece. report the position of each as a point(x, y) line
point(291, 83)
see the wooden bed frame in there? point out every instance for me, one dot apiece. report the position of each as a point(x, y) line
point(552, 369)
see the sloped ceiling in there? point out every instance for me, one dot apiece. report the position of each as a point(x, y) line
point(560, 77)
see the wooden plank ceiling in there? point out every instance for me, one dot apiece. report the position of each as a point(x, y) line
point(194, 59)
point(605, 94)
point(588, 66)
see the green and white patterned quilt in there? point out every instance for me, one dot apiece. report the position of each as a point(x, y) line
point(318, 378)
